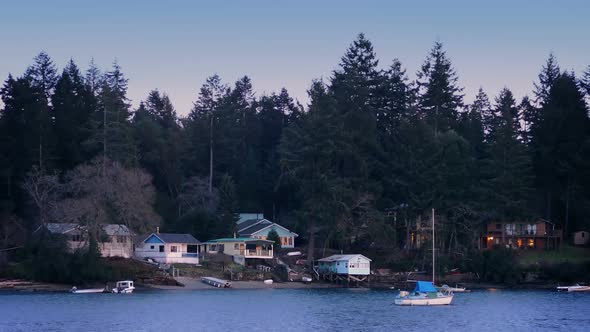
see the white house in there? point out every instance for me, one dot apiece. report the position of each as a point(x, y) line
point(168, 248)
point(116, 240)
point(252, 225)
point(345, 264)
point(243, 250)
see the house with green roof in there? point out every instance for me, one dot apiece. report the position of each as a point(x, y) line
point(254, 225)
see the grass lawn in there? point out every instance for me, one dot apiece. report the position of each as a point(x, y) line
point(565, 254)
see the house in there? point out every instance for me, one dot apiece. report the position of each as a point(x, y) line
point(168, 248)
point(115, 240)
point(540, 234)
point(255, 226)
point(355, 265)
point(581, 238)
point(243, 250)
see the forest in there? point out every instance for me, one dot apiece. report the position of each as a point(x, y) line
point(373, 150)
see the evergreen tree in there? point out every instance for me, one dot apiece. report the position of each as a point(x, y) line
point(549, 73)
point(439, 96)
point(563, 130)
point(43, 74)
point(228, 206)
point(509, 165)
point(73, 107)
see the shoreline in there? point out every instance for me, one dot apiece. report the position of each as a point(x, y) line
point(190, 284)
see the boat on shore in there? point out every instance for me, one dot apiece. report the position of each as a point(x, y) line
point(574, 288)
point(216, 282)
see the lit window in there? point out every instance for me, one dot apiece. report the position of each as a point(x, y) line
point(531, 243)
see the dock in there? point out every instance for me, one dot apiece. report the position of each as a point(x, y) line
point(215, 282)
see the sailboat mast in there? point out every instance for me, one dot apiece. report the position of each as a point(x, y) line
point(433, 246)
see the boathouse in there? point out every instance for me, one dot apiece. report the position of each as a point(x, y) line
point(345, 268)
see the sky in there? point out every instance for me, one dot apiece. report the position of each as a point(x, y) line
point(173, 46)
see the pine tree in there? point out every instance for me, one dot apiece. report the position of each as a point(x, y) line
point(549, 73)
point(228, 206)
point(510, 164)
point(439, 96)
point(73, 108)
point(563, 130)
point(43, 74)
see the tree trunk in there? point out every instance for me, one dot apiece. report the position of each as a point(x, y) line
point(311, 244)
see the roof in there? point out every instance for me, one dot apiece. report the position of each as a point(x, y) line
point(249, 223)
point(117, 229)
point(339, 258)
point(424, 287)
point(263, 224)
point(61, 228)
point(175, 238)
point(238, 239)
point(249, 216)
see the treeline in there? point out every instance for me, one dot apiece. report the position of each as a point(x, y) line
point(372, 151)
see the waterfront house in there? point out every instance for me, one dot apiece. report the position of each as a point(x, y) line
point(243, 250)
point(115, 240)
point(355, 264)
point(541, 234)
point(168, 248)
point(254, 225)
point(581, 238)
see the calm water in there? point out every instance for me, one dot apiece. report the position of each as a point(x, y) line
point(291, 310)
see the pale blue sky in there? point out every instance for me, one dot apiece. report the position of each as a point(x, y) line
point(175, 45)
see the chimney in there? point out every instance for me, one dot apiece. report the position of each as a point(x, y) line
point(158, 230)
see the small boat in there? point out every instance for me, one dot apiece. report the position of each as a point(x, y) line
point(215, 282)
point(123, 287)
point(268, 282)
point(455, 289)
point(75, 290)
point(424, 294)
point(574, 288)
point(306, 279)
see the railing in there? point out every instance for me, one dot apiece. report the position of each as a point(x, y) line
point(190, 254)
point(264, 253)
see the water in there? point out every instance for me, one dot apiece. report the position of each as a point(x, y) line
point(291, 310)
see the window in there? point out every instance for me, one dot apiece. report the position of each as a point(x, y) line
point(236, 246)
point(152, 247)
point(121, 239)
point(531, 243)
point(498, 226)
point(173, 248)
point(290, 241)
point(76, 238)
point(583, 234)
point(161, 248)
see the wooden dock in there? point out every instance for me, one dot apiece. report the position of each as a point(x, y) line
point(215, 282)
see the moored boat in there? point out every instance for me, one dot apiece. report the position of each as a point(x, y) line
point(75, 290)
point(425, 294)
point(447, 288)
point(574, 288)
point(123, 287)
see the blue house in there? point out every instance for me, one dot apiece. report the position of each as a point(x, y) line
point(169, 248)
point(254, 225)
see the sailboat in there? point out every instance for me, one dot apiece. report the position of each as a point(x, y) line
point(425, 293)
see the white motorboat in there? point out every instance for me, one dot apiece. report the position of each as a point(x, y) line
point(424, 294)
point(574, 288)
point(75, 290)
point(447, 288)
point(124, 287)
